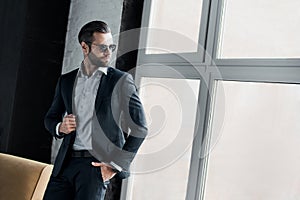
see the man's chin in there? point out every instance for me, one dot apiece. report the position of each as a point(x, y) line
point(102, 64)
point(99, 62)
point(105, 63)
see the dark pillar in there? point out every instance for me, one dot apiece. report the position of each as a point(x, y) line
point(131, 19)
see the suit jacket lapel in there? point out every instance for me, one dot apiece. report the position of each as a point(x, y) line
point(102, 90)
point(69, 87)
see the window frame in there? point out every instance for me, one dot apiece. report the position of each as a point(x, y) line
point(259, 74)
point(211, 69)
point(156, 71)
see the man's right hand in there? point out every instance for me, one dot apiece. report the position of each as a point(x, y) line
point(68, 124)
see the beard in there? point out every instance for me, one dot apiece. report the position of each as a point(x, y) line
point(97, 61)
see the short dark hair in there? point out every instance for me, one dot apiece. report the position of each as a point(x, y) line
point(87, 31)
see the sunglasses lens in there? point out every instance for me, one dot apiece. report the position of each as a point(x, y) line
point(104, 48)
point(112, 47)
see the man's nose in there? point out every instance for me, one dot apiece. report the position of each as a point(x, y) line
point(108, 52)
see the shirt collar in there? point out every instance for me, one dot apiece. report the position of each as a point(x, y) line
point(100, 69)
point(103, 69)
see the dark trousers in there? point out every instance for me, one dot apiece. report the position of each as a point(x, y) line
point(79, 180)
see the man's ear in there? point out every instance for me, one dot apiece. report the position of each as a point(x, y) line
point(85, 48)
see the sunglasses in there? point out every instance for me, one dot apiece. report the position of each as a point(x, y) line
point(103, 47)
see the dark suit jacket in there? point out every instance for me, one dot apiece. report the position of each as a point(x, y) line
point(118, 110)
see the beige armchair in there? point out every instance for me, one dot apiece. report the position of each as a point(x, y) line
point(22, 179)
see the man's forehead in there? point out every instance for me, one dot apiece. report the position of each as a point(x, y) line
point(103, 37)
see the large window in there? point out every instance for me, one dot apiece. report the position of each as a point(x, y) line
point(242, 121)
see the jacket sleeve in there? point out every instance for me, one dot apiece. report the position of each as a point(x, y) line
point(55, 112)
point(134, 118)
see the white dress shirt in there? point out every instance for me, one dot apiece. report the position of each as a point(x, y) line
point(84, 96)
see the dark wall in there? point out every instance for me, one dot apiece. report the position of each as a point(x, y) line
point(33, 33)
point(12, 12)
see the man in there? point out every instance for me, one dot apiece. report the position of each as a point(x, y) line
point(98, 114)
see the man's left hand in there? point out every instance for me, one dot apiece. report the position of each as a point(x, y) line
point(106, 170)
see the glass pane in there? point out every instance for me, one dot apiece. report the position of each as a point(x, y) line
point(260, 29)
point(161, 168)
point(182, 20)
point(254, 152)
